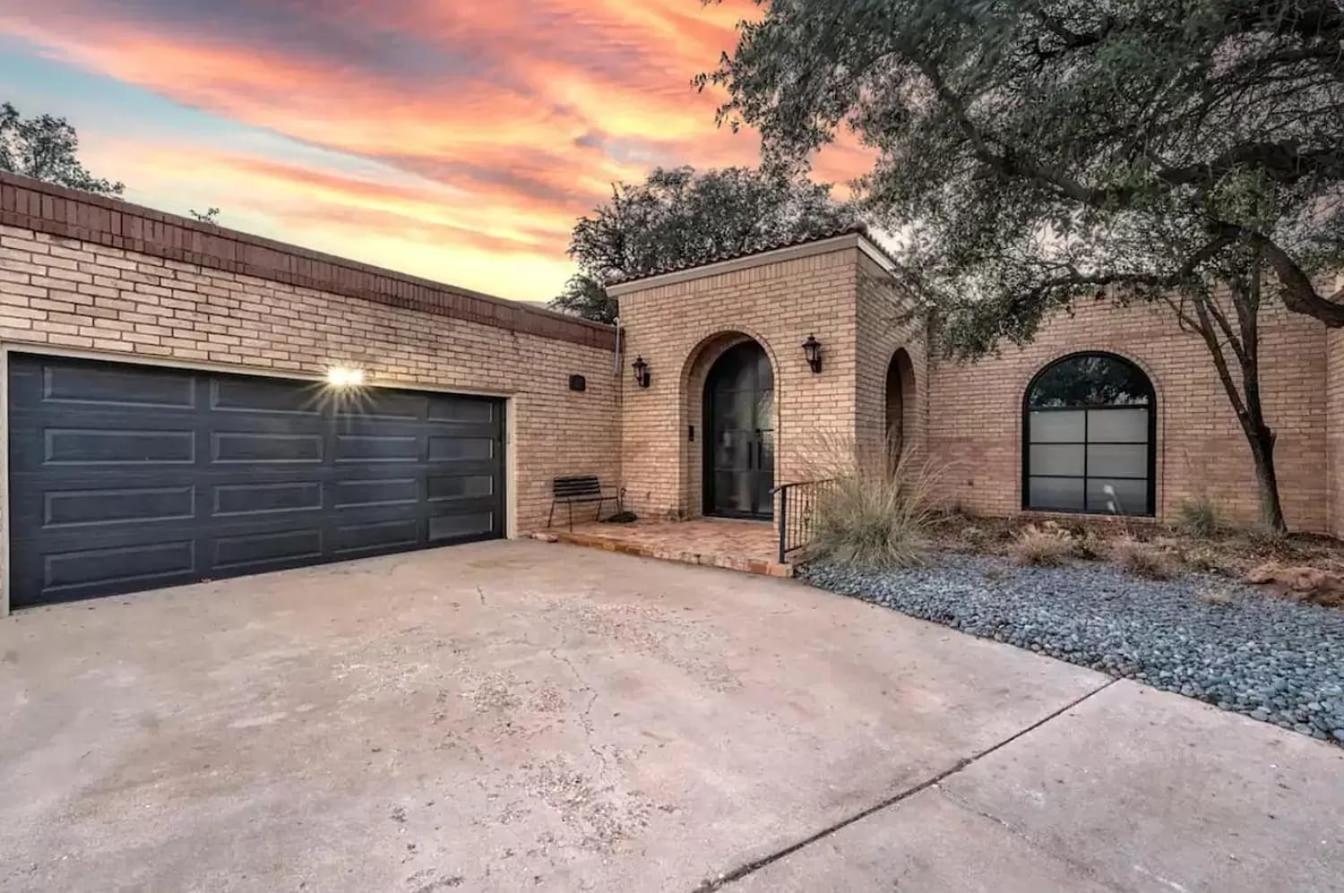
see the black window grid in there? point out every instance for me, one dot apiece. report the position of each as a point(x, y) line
point(1027, 443)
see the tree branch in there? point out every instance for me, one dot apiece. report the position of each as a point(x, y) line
point(1297, 291)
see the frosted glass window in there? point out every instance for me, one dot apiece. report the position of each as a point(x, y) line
point(1058, 427)
point(1047, 458)
point(1129, 460)
point(1059, 494)
point(1087, 440)
point(1118, 425)
point(1117, 496)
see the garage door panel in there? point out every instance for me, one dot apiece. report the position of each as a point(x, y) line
point(85, 444)
point(377, 448)
point(93, 507)
point(462, 525)
point(125, 387)
point(261, 550)
point(455, 408)
point(460, 484)
point(456, 448)
point(238, 394)
point(77, 570)
point(370, 535)
point(375, 491)
point(380, 404)
point(266, 448)
point(252, 498)
point(126, 477)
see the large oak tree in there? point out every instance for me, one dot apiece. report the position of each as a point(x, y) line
point(678, 217)
point(1187, 152)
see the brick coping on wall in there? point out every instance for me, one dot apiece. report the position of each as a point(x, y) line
point(70, 214)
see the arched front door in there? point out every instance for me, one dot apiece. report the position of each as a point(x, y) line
point(740, 421)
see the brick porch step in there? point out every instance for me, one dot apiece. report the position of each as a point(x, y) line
point(666, 551)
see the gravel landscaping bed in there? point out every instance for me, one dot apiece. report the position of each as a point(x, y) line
point(1271, 658)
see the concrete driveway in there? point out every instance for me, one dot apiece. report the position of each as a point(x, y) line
point(517, 715)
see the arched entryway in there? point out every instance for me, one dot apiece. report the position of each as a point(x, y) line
point(739, 420)
point(900, 401)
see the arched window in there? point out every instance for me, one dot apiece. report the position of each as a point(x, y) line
point(1089, 421)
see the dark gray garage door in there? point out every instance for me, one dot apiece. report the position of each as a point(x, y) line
point(127, 477)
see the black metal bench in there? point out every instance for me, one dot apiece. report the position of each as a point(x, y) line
point(572, 491)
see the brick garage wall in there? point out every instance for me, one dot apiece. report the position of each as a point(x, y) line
point(679, 328)
point(1334, 435)
point(83, 295)
point(976, 426)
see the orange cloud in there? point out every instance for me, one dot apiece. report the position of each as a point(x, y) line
point(503, 121)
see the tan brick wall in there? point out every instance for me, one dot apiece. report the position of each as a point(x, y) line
point(680, 328)
point(1334, 397)
point(70, 295)
point(966, 418)
point(976, 424)
point(886, 326)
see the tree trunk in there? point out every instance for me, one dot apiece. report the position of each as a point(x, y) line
point(1243, 342)
point(1266, 477)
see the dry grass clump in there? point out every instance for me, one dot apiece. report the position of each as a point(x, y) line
point(1198, 517)
point(876, 512)
point(1046, 545)
point(1216, 595)
point(1203, 560)
point(1141, 559)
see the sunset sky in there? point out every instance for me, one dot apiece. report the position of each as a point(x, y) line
point(451, 139)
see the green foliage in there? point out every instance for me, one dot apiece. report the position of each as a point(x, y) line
point(584, 296)
point(679, 217)
point(46, 148)
point(1042, 151)
point(1198, 517)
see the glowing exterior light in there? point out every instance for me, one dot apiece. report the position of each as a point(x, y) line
point(341, 377)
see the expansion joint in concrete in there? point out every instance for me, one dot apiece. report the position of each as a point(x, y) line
point(737, 874)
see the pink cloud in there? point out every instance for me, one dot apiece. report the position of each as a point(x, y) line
point(523, 112)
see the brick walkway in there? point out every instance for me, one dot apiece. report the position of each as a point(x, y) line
point(749, 546)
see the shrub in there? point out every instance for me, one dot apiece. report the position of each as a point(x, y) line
point(974, 536)
point(1089, 545)
point(1218, 596)
point(1143, 559)
point(1198, 517)
point(876, 512)
point(1042, 546)
point(1204, 560)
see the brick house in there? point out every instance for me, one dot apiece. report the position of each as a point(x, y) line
point(170, 413)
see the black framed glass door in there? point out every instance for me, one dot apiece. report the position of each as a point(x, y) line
point(740, 422)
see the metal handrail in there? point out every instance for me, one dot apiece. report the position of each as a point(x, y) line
point(796, 513)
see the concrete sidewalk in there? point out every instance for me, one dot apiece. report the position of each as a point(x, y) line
point(523, 715)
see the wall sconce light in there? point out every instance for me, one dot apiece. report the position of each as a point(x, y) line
point(642, 374)
point(812, 350)
point(341, 377)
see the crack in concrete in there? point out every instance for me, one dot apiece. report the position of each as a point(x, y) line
point(585, 717)
point(737, 874)
point(1019, 834)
